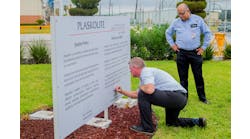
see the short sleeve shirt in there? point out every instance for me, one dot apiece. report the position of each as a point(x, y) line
point(161, 79)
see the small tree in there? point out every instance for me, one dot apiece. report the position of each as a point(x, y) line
point(196, 6)
point(84, 7)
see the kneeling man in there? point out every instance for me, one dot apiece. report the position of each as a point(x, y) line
point(159, 88)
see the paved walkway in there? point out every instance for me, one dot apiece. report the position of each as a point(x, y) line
point(30, 37)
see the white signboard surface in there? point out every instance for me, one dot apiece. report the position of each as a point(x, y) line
point(90, 57)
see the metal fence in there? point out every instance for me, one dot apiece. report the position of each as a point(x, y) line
point(148, 18)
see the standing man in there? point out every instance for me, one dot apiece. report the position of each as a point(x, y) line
point(159, 88)
point(188, 29)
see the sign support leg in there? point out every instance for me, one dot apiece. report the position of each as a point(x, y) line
point(100, 122)
point(106, 114)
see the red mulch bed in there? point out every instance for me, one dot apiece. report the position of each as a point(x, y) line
point(121, 118)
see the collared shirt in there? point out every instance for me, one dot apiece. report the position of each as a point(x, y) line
point(161, 80)
point(188, 33)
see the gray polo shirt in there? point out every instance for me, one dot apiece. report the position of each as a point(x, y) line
point(161, 79)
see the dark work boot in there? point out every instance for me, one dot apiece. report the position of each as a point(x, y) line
point(141, 130)
point(202, 122)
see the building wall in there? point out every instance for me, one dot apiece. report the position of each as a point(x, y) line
point(30, 11)
point(30, 7)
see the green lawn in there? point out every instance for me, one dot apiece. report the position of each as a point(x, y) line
point(217, 77)
point(35, 87)
point(36, 93)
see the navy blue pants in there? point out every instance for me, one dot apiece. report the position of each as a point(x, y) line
point(184, 58)
point(172, 101)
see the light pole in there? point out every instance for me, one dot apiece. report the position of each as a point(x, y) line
point(100, 10)
point(136, 4)
point(225, 21)
point(109, 6)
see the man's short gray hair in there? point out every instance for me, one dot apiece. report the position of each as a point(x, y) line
point(137, 62)
point(184, 6)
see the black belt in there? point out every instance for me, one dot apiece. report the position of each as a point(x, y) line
point(194, 50)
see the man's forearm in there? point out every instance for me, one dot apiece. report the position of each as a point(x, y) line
point(131, 94)
point(148, 88)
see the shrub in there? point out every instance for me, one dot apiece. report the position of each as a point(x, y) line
point(80, 11)
point(84, 7)
point(140, 52)
point(138, 48)
point(208, 53)
point(196, 6)
point(40, 21)
point(170, 55)
point(150, 43)
point(227, 52)
point(39, 51)
point(156, 43)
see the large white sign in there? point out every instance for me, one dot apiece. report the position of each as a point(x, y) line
point(90, 57)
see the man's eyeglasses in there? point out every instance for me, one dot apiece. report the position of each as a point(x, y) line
point(182, 13)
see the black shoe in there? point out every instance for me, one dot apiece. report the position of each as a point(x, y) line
point(202, 122)
point(205, 102)
point(141, 130)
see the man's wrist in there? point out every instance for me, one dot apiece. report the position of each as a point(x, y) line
point(121, 91)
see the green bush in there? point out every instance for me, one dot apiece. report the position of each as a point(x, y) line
point(40, 21)
point(171, 55)
point(84, 7)
point(137, 44)
point(156, 43)
point(39, 51)
point(227, 52)
point(208, 53)
point(196, 6)
point(150, 43)
point(80, 11)
point(140, 52)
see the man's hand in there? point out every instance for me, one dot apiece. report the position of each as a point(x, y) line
point(132, 94)
point(199, 51)
point(175, 48)
point(118, 89)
